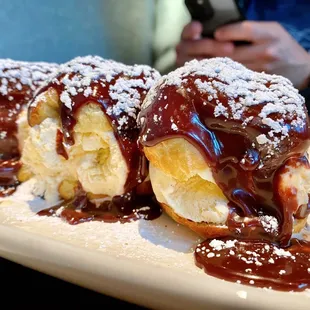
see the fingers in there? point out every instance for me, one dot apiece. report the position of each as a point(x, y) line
point(187, 50)
point(248, 53)
point(249, 31)
point(207, 47)
point(199, 49)
point(192, 31)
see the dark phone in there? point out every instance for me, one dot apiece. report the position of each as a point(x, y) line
point(214, 13)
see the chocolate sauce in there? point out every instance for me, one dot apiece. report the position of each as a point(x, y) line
point(9, 111)
point(18, 82)
point(257, 262)
point(9, 149)
point(126, 136)
point(8, 176)
point(126, 208)
point(117, 90)
point(223, 118)
point(232, 153)
point(60, 148)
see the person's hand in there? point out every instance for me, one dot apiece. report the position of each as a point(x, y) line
point(193, 46)
point(272, 49)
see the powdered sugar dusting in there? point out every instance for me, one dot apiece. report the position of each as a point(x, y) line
point(278, 104)
point(16, 76)
point(270, 224)
point(218, 245)
point(125, 84)
point(251, 257)
point(19, 81)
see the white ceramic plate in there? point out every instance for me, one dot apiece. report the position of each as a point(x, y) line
point(149, 263)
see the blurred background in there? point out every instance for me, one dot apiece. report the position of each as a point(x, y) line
point(58, 30)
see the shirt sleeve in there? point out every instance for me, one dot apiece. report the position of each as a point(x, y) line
point(170, 18)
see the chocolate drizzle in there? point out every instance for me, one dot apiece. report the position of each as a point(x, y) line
point(251, 128)
point(60, 148)
point(246, 171)
point(119, 91)
point(8, 176)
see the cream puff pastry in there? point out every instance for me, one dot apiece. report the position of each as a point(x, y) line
point(84, 131)
point(19, 80)
point(227, 148)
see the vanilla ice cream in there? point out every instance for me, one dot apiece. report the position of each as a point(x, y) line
point(199, 199)
point(40, 158)
point(186, 184)
point(96, 159)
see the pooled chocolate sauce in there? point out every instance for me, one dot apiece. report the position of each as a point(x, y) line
point(257, 262)
point(8, 176)
point(126, 208)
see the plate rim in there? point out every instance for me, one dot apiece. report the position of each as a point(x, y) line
point(135, 282)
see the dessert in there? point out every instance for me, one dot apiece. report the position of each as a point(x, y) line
point(228, 158)
point(224, 150)
point(18, 82)
point(82, 144)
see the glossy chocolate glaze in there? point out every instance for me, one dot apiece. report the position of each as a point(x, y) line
point(8, 128)
point(60, 148)
point(231, 151)
point(258, 263)
point(9, 149)
point(207, 114)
